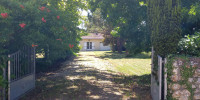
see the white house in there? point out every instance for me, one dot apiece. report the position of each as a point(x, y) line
point(93, 42)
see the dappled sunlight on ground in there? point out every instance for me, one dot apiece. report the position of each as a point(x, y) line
point(88, 78)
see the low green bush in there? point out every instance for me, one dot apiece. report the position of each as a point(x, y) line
point(190, 45)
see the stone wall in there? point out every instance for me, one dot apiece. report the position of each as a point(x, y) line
point(190, 89)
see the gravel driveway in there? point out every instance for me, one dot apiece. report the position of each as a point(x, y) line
point(84, 78)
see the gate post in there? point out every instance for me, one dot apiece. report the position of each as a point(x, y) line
point(160, 68)
point(165, 80)
point(152, 55)
point(9, 77)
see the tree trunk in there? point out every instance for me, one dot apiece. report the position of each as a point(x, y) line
point(119, 45)
point(113, 47)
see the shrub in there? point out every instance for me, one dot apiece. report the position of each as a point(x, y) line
point(42, 23)
point(190, 45)
point(164, 24)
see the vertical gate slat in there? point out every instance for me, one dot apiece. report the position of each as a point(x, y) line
point(165, 95)
point(152, 55)
point(9, 78)
point(12, 78)
point(13, 70)
point(17, 74)
point(25, 50)
point(18, 69)
point(22, 61)
point(29, 60)
point(160, 75)
point(24, 54)
point(15, 67)
point(19, 59)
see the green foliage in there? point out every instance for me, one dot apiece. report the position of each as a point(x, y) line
point(2, 82)
point(187, 71)
point(190, 16)
point(115, 33)
point(52, 36)
point(169, 66)
point(164, 23)
point(95, 22)
point(190, 45)
point(130, 17)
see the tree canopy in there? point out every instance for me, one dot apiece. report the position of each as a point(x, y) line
point(128, 18)
point(49, 25)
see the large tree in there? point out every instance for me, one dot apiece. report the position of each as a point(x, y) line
point(190, 16)
point(128, 21)
point(97, 24)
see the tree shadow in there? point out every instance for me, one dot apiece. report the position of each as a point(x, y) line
point(139, 84)
point(86, 83)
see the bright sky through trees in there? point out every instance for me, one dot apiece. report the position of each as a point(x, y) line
point(84, 14)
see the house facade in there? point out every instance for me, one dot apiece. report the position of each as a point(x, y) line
point(93, 42)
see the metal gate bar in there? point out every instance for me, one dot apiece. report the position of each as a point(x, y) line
point(21, 72)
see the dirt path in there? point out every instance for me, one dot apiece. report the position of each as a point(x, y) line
point(84, 78)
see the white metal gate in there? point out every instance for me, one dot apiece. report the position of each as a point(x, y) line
point(21, 72)
point(159, 85)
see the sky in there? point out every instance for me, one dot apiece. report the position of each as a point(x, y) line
point(83, 13)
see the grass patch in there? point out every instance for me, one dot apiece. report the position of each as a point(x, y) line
point(133, 65)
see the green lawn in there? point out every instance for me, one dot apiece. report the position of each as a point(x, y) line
point(136, 65)
point(135, 71)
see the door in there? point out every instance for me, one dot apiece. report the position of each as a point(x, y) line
point(89, 45)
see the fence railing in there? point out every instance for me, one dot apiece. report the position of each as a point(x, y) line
point(21, 64)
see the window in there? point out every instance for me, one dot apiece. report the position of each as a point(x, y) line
point(89, 45)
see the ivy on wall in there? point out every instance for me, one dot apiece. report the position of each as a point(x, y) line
point(186, 71)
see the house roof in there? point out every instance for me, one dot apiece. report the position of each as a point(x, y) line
point(93, 36)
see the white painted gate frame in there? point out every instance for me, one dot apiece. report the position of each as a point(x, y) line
point(23, 83)
point(156, 89)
